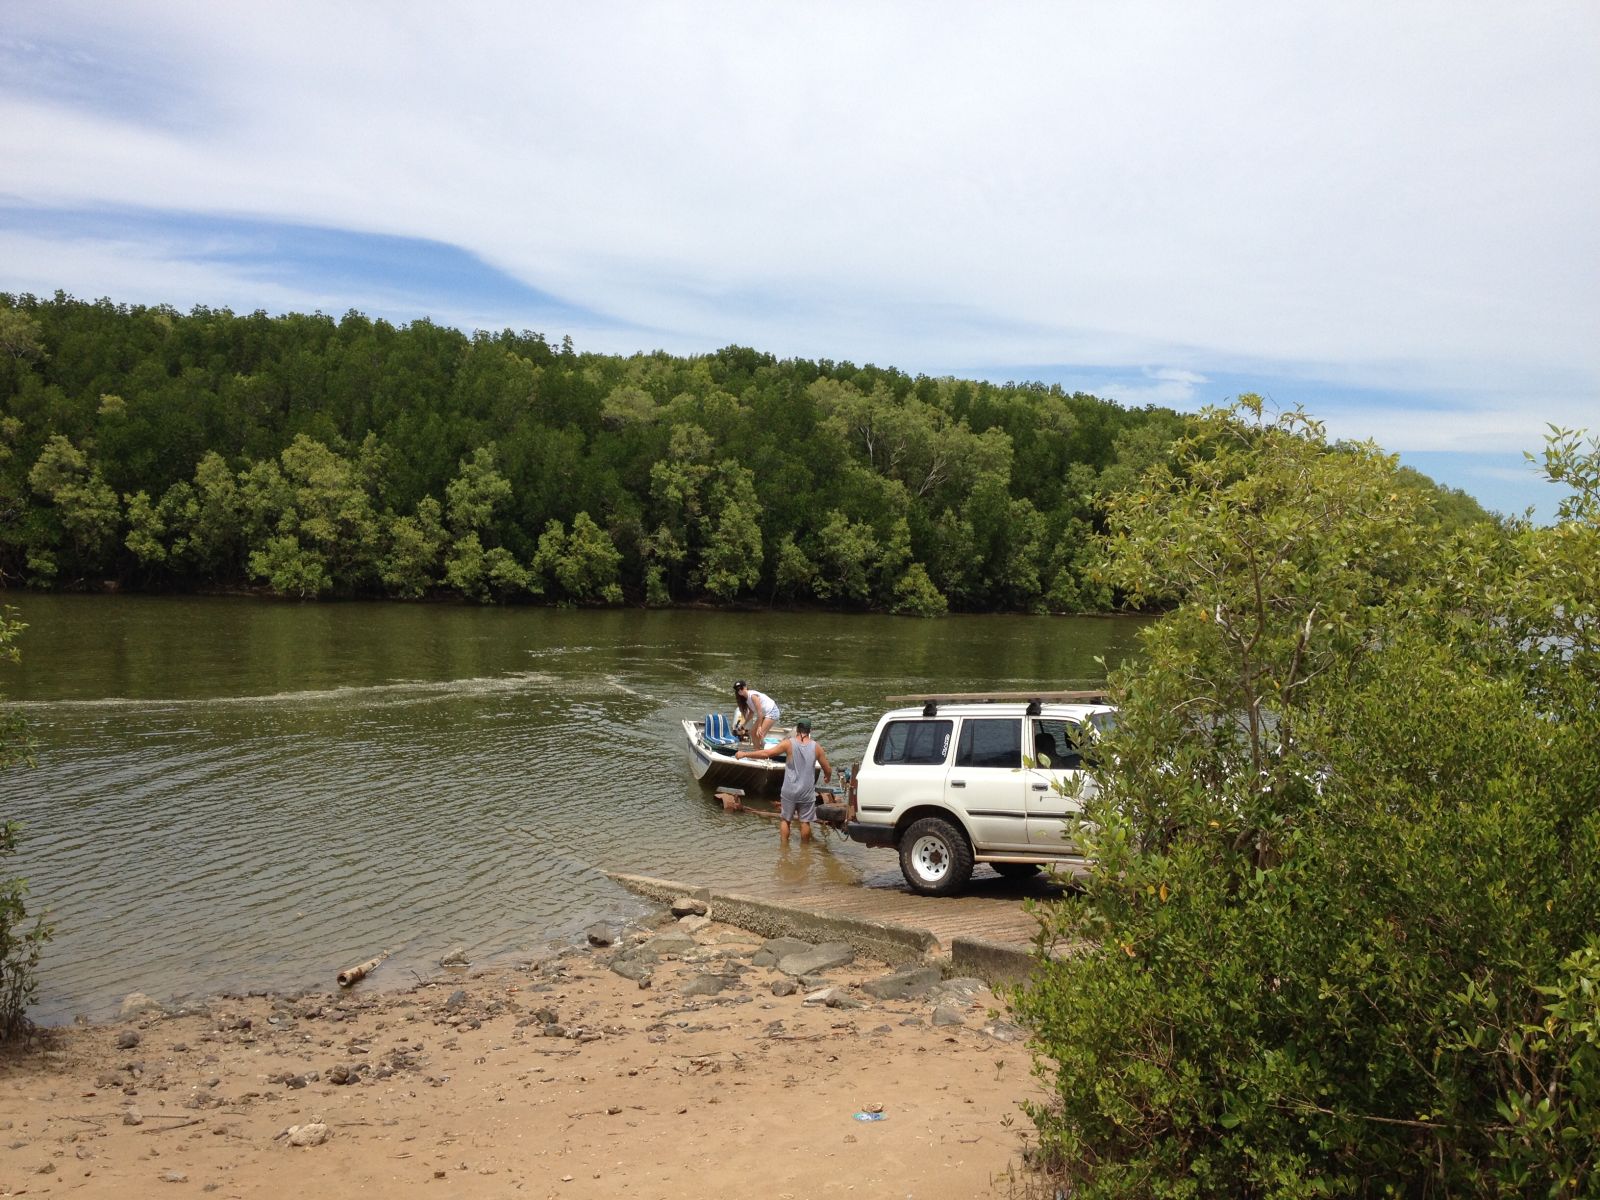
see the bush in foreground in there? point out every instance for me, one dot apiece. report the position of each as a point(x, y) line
point(1340, 938)
point(21, 943)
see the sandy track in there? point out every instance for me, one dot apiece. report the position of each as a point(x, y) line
point(463, 1087)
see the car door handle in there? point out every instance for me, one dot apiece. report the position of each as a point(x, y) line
point(958, 783)
point(1041, 787)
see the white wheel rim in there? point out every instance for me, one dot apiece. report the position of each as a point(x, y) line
point(931, 857)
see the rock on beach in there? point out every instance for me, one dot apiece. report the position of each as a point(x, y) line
point(910, 984)
point(823, 958)
point(135, 1003)
point(776, 948)
point(312, 1134)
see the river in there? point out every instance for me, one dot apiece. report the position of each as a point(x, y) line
point(241, 793)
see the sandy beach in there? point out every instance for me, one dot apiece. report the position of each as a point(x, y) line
point(690, 1060)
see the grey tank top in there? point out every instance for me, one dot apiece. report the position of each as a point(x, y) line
point(800, 771)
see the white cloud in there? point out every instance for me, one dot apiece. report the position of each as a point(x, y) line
point(1386, 195)
point(1171, 387)
point(140, 272)
point(1461, 429)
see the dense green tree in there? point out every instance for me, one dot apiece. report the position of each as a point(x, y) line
point(795, 572)
point(846, 553)
point(486, 574)
point(321, 506)
point(20, 336)
point(915, 594)
point(476, 493)
point(213, 518)
point(476, 564)
point(410, 564)
point(301, 453)
point(1338, 938)
point(290, 568)
point(583, 563)
point(730, 534)
point(147, 530)
point(80, 502)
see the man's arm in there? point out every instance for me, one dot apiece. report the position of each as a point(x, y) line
point(781, 748)
point(827, 767)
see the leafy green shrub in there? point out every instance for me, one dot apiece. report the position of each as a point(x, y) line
point(583, 563)
point(916, 595)
point(1338, 938)
point(21, 943)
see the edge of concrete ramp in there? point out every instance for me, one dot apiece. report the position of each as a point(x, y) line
point(887, 942)
point(992, 962)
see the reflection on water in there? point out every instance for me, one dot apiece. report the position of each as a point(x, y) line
point(241, 793)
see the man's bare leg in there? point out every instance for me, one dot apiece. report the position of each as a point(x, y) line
point(805, 831)
point(783, 832)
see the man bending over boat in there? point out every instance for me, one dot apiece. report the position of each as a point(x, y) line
point(798, 799)
point(759, 711)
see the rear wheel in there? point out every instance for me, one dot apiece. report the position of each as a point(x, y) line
point(1016, 870)
point(935, 857)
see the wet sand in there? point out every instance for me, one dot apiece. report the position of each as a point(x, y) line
point(561, 1078)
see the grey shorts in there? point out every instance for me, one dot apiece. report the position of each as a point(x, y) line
point(802, 810)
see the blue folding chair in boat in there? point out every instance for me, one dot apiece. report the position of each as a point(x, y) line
point(719, 734)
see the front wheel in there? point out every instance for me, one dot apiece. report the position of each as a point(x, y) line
point(935, 857)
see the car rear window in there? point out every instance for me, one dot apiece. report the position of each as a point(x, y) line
point(914, 743)
point(988, 742)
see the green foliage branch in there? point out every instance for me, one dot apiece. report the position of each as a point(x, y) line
point(22, 940)
point(1338, 937)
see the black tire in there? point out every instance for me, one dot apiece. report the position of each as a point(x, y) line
point(935, 857)
point(1016, 870)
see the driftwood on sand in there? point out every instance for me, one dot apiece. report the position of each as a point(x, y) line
point(355, 974)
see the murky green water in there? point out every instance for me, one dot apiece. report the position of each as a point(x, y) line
point(244, 793)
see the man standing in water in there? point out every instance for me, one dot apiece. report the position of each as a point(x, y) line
point(798, 799)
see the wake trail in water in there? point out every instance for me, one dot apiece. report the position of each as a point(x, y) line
point(400, 692)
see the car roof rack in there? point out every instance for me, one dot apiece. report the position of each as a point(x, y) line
point(931, 701)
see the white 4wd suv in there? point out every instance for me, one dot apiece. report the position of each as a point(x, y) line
point(966, 779)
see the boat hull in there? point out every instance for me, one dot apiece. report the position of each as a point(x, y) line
point(714, 769)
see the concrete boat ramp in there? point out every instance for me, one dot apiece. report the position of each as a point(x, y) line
point(988, 931)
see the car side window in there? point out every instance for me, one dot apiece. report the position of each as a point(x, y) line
point(914, 743)
point(1053, 739)
point(990, 742)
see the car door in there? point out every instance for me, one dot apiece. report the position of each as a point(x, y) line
point(987, 784)
point(1057, 784)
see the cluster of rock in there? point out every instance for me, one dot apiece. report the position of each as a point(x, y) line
point(792, 966)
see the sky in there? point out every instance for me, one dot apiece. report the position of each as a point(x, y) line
point(1388, 213)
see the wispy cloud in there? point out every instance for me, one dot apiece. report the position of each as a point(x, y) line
point(1369, 198)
